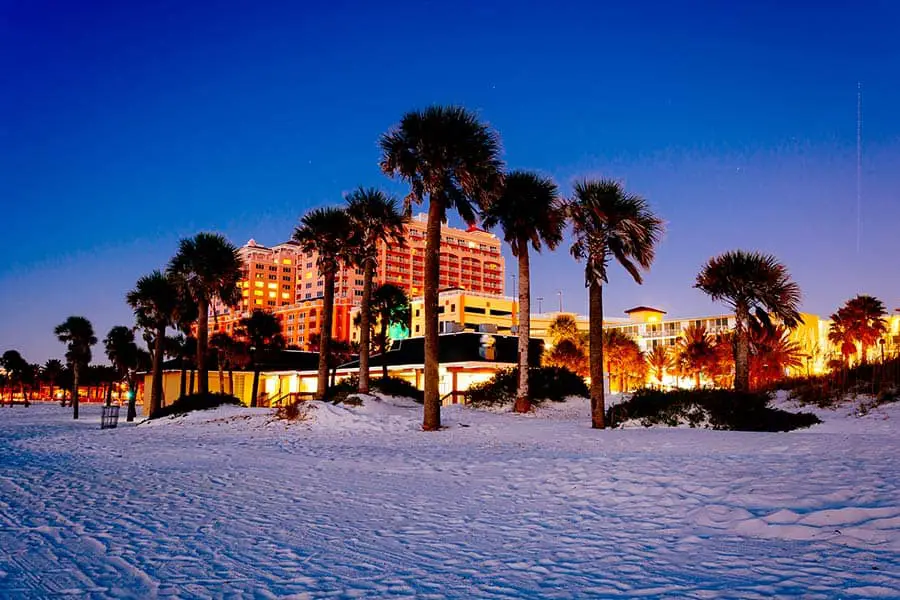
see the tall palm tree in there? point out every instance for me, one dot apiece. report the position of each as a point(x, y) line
point(155, 300)
point(206, 268)
point(375, 219)
point(122, 352)
point(51, 372)
point(262, 331)
point(78, 335)
point(864, 317)
point(447, 155)
point(530, 212)
point(609, 223)
point(659, 359)
point(389, 307)
point(757, 287)
point(325, 231)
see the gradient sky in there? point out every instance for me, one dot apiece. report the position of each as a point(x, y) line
point(126, 125)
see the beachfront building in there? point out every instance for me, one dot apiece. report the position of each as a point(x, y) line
point(284, 280)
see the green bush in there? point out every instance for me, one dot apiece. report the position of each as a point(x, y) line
point(187, 404)
point(544, 383)
point(391, 386)
point(715, 409)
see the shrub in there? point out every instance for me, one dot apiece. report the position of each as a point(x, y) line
point(714, 409)
point(295, 411)
point(187, 404)
point(544, 383)
point(390, 386)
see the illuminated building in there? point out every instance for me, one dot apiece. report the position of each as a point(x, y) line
point(284, 280)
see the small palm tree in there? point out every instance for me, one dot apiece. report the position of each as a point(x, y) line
point(696, 349)
point(563, 327)
point(388, 307)
point(122, 352)
point(51, 372)
point(609, 223)
point(221, 342)
point(325, 231)
point(530, 213)
point(840, 333)
point(659, 360)
point(155, 300)
point(375, 219)
point(621, 354)
point(447, 155)
point(772, 352)
point(206, 268)
point(757, 287)
point(864, 317)
point(78, 335)
point(262, 331)
point(16, 369)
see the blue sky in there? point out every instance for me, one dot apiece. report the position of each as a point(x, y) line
point(125, 126)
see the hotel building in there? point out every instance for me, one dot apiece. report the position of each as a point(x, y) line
point(284, 280)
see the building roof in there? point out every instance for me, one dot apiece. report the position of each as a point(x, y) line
point(644, 309)
point(463, 347)
point(281, 360)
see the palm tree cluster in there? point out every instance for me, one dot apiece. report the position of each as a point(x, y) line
point(858, 326)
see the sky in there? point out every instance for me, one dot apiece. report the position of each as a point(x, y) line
point(125, 126)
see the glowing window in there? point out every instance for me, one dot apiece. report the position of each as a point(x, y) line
point(257, 292)
point(272, 294)
point(286, 261)
point(273, 286)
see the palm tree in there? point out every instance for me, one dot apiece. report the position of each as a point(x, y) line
point(155, 300)
point(696, 350)
point(325, 231)
point(563, 327)
point(375, 219)
point(864, 317)
point(206, 268)
point(660, 361)
point(772, 352)
point(388, 307)
point(16, 369)
point(221, 342)
point(448, 155)
point(122, 352)
point(51, 372)
point(622, 355)
point(757, 287)
point(530, 212)
point(840, 333)
point(78, 334)
point(609, 223)
point(262, 331)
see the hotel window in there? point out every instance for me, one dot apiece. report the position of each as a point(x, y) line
point(308, 296)
point(258, 302)
point(286, 278)
point(309, 265)
point(285, 296)
point(417, 329)
point(259, 284)
point(257, 292)
point(285, 261)
point(272, 294)
point(270, 303)
point(260, 266)
point(273, 286)
point(285, 269)
point(286, 287)
point(273, 268)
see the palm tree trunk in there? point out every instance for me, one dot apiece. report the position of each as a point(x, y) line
point(191, 382)
point(230, 379)
point(364, 326)
point(51, 390)
point(432, 414)
point(254, 391)
point(523, 402)
point(221, 366)
point(132, 398)
point(741, 349)
point(595, 316)
point(383, 342)
point(202, 346)
point(157, 379)
point(75, 370)
point(325, 334)
point(697, 380)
